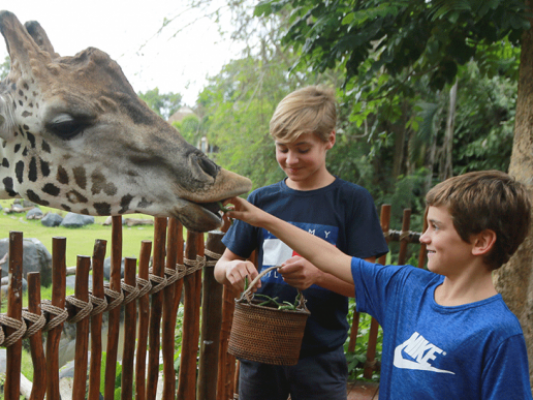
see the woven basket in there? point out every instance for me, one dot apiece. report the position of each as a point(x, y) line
point(265, 334)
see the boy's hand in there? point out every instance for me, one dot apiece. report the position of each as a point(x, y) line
point(245, 211)
point(300, 273)
point(236, 272)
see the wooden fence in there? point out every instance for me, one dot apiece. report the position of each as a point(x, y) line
point(151, 297)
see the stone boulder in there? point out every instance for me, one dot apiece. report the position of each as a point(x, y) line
point(107, 268)
point(5, 286)
point(51, 220)
point(73, 220)
point(34, 213)
point(36, 258)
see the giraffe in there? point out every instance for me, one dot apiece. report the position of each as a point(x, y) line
point(75, 136)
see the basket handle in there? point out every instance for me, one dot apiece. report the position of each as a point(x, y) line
point(248, 295)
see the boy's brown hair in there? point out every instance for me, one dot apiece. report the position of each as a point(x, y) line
point(486, 200)
point(307, 110)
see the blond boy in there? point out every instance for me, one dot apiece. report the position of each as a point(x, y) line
point(343, 214)
point(447, 332)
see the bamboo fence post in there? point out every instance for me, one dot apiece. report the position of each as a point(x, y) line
point(156, 309)
point(406, 225)
point(169, 318)
point(36, 340)
point(422, 251)
point(144, 320)
point(58, 300)
point(189, 346)
point(114, 314)
point(211, 321)
point(130, 320)
point(226, 370)
point(373, 334)
point(354, 331)
point(96, 320)
point(82, 329)
point(14, 310)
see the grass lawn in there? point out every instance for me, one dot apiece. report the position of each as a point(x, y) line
point(80, 241)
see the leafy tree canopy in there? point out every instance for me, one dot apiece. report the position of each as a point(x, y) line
point(403, 37)
point(164, 104)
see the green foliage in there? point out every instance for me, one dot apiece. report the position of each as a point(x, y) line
point(191, 128)
point(356, 359)
point(164, 104)
point(418, 37)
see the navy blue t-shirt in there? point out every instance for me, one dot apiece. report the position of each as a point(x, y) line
point(341, 213)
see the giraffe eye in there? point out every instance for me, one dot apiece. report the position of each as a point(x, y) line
point(67, 127)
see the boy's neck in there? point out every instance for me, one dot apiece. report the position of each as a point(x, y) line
point(317, 182)
point(473, 285)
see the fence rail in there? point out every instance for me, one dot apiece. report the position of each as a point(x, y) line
point(150, 296)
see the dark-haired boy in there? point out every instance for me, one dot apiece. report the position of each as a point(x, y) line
point(447, 332)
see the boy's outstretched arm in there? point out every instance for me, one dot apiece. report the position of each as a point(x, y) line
point(319, 252)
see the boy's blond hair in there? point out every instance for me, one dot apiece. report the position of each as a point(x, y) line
point(486, 200)
point(308, 110)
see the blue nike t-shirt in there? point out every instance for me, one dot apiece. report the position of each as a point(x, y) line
point(474, 351)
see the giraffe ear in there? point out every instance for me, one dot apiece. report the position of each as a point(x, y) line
point(40, 37)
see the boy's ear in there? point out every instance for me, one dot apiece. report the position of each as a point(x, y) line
point(331, 139)
point(483, 242)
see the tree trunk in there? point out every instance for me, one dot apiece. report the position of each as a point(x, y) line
point(515, 279)
point(447, 169)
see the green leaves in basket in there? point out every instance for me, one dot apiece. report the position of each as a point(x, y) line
point(286, 305)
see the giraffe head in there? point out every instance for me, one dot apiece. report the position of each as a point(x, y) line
point(75, 136)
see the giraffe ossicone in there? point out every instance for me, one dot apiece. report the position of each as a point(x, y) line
point(75, 136)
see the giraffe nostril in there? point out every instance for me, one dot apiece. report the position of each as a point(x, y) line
point(208, 166)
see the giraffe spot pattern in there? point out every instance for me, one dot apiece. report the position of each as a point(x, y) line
point(100, 183)
point(45, 168)
point(102, 208)
point(51, 189)
point(46, 147)
point(62, 175)
point(19, 171)
point(5, 163)
point(34, 197)
point(125, 203)
point(76, 197)
point(32, 172)
point(80, 177)
point(8, 186)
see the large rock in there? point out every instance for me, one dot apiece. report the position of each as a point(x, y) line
point(4, 288)
point(36, 258)
point(52, 220)
point(107, 268)
point(34, 213)
point(73, 220)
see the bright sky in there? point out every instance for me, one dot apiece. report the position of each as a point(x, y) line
point(127, 31)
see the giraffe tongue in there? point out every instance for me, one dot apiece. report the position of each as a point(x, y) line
point(212, 207)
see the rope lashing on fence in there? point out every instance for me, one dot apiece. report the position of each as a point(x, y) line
point(117, 298)
point(145, 285)
point(38, 321)
point(60, 315)
point(132, 292)
point(53, 316)
point(398, 236)
point(215, 257)
point(99, 305)
point(18, 325)
point(84, 309)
